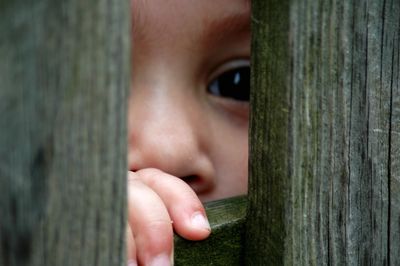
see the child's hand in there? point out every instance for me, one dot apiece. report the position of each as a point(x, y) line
point(157, 204)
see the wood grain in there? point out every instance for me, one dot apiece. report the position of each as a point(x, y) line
point(64, 78)
point(265, 222)
point(333, 198)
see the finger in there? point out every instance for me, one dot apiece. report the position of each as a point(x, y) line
point(131, 247)
point(184, 207)
point(150, 224)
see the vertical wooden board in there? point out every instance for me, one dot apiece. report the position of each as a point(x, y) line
point(341, 123)
point(394, 222)
point(384, 41)
point(341, 114)
point(392, 80)
point(265, 232)
point(64, 77)
point(341, 181)
point(368, 157)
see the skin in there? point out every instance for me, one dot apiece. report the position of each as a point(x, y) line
point(186, 145)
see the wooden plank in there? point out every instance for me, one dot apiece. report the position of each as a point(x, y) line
point(64, 80)
point(225, 244)
point(265, 228)
point(391, 77)
point(341, 181)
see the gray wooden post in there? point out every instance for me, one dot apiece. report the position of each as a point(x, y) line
point(325, 141)
point(64, 78)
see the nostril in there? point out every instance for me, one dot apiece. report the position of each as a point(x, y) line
point(197, 183)
point(133, 169)
point(190, 179)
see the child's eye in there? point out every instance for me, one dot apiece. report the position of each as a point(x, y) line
point(233, 84)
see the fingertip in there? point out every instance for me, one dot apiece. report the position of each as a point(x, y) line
point(200, 222)
point(195, 226)
point(132, 263)
point(200, 226)
point(161, 260)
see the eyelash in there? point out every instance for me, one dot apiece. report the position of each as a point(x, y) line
point(232, 84)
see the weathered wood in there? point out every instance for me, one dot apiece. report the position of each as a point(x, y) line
point(64, 77)
point(338, 171)
point(225, 244)
point(265, 228)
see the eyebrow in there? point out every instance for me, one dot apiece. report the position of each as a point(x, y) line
point(230, 24)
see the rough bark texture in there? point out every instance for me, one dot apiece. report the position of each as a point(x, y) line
point(64, 76)
point(333, 198)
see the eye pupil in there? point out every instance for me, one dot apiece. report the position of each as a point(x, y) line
point(233, 84)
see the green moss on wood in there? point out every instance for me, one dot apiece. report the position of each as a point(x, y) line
point(225, 244)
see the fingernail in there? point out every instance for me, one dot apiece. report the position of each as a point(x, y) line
point(199, 221)
point(132, 263)
point(161, 260)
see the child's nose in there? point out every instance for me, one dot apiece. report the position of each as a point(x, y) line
point(168, 134)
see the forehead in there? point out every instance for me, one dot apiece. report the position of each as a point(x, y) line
point(177, 18)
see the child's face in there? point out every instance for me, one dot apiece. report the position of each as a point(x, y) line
point(188, 108)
